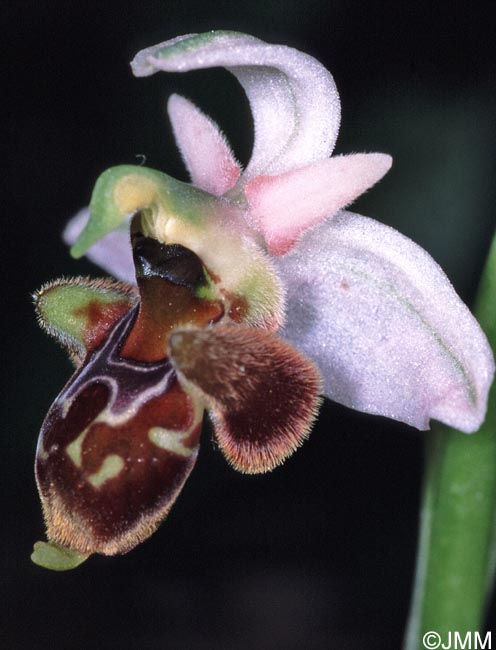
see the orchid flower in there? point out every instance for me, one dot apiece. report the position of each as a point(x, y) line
point(246, 294)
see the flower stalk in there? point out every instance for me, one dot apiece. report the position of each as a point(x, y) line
point(457, 541)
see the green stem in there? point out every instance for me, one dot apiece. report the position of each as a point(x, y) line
point(457, 541)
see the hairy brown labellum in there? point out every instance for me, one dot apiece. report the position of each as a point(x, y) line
point(121, 438)
point(115, 449)
point(261, 392)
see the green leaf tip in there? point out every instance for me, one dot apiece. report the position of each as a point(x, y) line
point(57, 558)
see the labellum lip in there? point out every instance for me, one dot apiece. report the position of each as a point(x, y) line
point(171, 262)
point(120, 440)
point(115, 449)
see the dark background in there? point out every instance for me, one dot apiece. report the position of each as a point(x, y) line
point(320, 553)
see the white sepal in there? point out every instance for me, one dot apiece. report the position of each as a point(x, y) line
point(385, 326)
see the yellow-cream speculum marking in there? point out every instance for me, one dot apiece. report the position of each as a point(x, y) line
point(110, 468)
point(171, 441)
point(74, 449)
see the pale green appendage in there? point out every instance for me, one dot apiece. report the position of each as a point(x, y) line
point(61, 306)
point(457, 541)
point(121, 191)
point(57, 558)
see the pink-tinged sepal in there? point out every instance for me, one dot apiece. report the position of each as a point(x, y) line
point(115, 449)
point(384, 325)
point(262, 394)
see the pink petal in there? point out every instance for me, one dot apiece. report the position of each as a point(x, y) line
point(293, 98)
point(385, 326)
point(204, 149)
point(112, 253)
point(283, 207)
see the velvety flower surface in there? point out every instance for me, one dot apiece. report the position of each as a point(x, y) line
point(244, 293)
